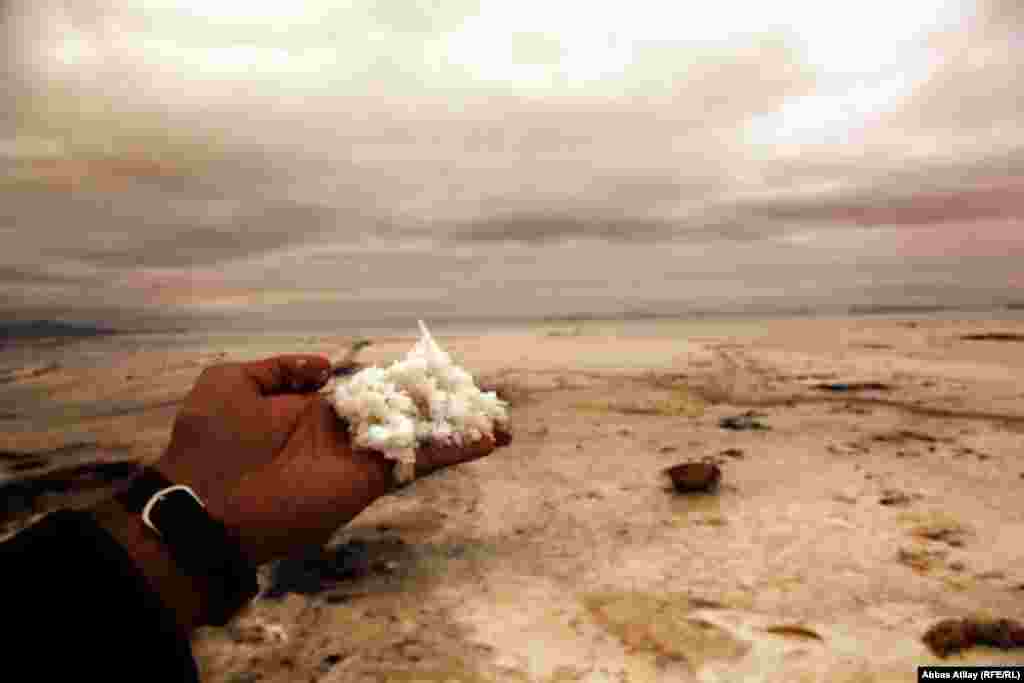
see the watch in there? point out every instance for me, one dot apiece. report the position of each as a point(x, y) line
point(201, 545)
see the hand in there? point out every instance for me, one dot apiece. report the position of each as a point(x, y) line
point(272, 460)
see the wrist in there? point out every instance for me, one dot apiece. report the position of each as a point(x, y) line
point(184, 595)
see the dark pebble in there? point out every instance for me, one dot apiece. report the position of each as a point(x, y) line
point(742, 422)
point(383, 567)
point(994, 336)
point(952, 635)
point(854, 386)
point(245, 677)
point(894, 497)
point(693, 477)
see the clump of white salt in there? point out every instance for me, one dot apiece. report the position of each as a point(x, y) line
point(422, 398)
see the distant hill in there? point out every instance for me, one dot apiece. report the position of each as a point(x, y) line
point(38, 329)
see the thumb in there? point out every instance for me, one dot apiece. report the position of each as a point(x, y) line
point(284, 410)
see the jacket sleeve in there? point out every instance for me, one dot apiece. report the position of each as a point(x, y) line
point(75, 606)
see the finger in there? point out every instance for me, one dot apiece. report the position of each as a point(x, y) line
point(439, 454)
point(288, 373)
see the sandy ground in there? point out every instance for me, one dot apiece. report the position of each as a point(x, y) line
point(839, 535)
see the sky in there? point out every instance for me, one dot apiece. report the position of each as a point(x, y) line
point(258, 163)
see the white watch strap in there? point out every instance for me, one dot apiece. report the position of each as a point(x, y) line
point(158, 496)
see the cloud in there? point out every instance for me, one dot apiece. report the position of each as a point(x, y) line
point(27, 275)
point(348, 152)
point(724, 86)
point(539, 229)
point(977, 82)
point(1001, 15)
point(141, 230)
point(888, 206)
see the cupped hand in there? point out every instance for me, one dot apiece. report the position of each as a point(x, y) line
point(272, 460)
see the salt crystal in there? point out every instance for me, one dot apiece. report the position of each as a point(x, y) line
point(383, 405)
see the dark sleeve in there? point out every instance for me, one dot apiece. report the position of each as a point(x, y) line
point(81, 609)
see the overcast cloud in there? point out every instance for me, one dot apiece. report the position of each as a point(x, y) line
point(272, 161)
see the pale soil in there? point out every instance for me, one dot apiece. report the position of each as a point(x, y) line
point(566, 556)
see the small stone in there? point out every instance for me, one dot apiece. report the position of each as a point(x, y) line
point(579, 447)
point(387, 567)
point(952, 635)
point(245, 677)
point(743, 422)
point(257, 632)
point(695, 477)
point(894, 497)
point(992, 574)
point(919, 559)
